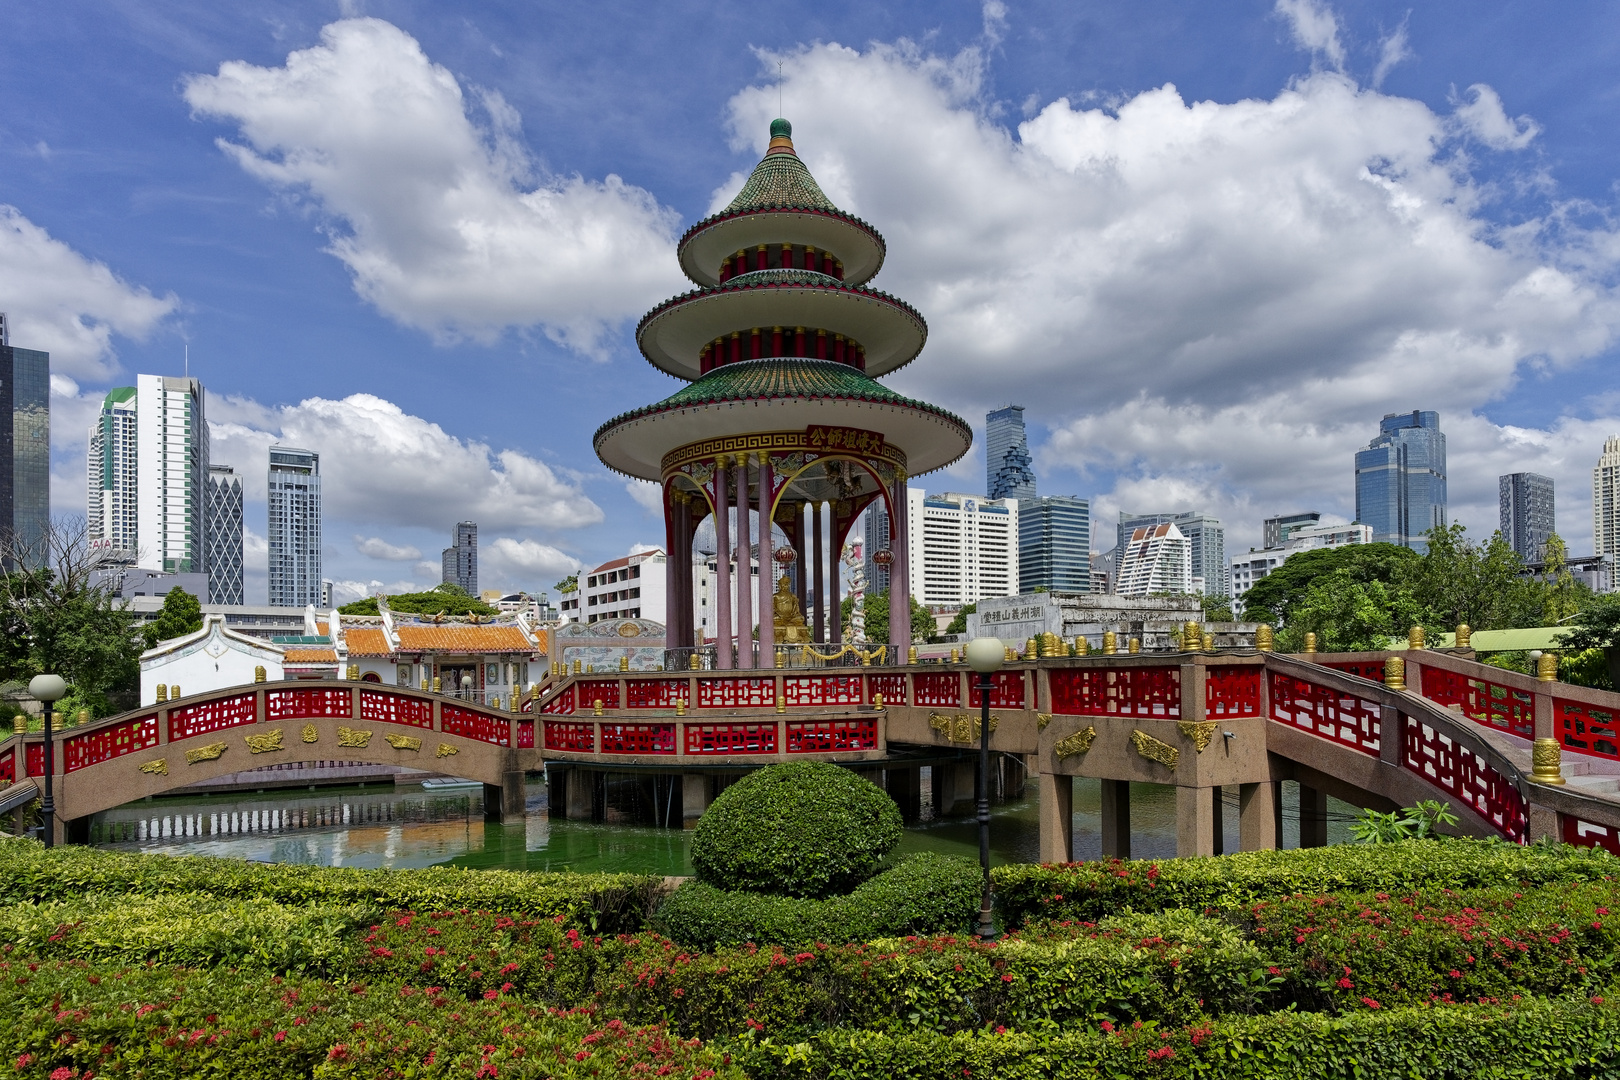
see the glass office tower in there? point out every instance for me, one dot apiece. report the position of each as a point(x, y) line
point(1401, 479)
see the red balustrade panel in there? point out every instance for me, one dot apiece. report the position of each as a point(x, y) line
point(1489, 703)
point(35, 765)
point(730, 738)
point(301, 704)
point(638, 738)
point(454, 720)
point(525, 730)
point(1361, 669)
point(936, 689)
point(561, 705)
point(737, 693)
point(570, 737)
point(1586, 729)
point(822, 690)
point(8, 764)
point(654, 693)
point(1101, 691)
point(383, 707)
point(94, 747)
point(892, 687)
point(1322, 710)
point(1231, 691)
point(604, 690)
point(1586, 834)
point(831, 736)
point(222, 713)
point(1463, 774)
point(1006, 690)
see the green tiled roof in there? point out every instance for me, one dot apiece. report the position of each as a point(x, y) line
point(780, 181)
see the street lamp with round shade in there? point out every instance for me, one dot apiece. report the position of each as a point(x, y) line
point(985, 655)
point(48, 690)
point(466, 686)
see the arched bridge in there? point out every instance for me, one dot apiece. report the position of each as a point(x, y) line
point(1458, 731)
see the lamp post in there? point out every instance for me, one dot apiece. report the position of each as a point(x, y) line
point(466, 686)
point(985, 655)
point(48, 690)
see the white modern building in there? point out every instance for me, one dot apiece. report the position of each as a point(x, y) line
point(294, 498)
point(212, 658)
point(110, 507)
point(1606, 499)
point(962, 548)
point(172, 473)
point(1245, 570)
point(1156, 559)
point(627, 588)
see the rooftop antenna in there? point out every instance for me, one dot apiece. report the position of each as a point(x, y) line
point(779, 88)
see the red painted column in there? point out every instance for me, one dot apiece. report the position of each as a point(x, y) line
point(745, 607)
point(672, 529)
point(777, 347)
point(767, 567)
point(821, 344)
point(722, 564)
point(736, 346)
point(835, 611)
point(899, 573)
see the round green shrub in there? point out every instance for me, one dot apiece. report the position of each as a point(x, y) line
point(805, 829)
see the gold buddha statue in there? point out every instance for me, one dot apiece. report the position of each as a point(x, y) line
point(790, 628)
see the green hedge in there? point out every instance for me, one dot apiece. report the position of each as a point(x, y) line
point(1089, 891)
point(923, 894)
point(606, 902)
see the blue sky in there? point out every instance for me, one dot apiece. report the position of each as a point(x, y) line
point(1206, 246)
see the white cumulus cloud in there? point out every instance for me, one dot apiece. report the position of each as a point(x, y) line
point(442, 221)
point(375, 547)
point(1482, 116)
point(523, 565)
point(1315, 27)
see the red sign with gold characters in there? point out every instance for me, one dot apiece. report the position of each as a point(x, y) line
point(850, 440)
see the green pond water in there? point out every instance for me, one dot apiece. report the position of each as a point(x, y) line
point(385, 826)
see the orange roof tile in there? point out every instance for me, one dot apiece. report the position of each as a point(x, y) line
point(310, 656)
point(366, 641)
point(462, 639)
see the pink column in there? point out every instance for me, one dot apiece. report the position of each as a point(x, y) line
point(722, 565)
point(681, 621)
point(819, 601)
point(745, 607)
point(899, 574)
point(835, 608)
point(672, 596)
point(767, 568)
point(801, 546)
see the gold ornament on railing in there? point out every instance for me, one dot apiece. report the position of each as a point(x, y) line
point(354, 672)
point(781, 658)
point(174, 692)
point(1199, 731)
point(624, 663)
point(1135, 646)
point(1082, 647)
point(1075, 744)
point(877, 701)
point(1011, 656)
point(1031, 650)
point(1310, 643)
point(1208, 641)
point(781, 703)
point(259, 674)
point(911, 655)
point(596, 707)
point(1465, 636)
point(1154, 750)
point(880, 653)
point(1263, 639)
point(1395, 673)
point(1414, 639)
point(680, 706)
point(495, 702)
point(438, 684)
point(956, 656)
point(1546, 762)
point(1547, 667)
point(1192, 636)
point(579, 667)
point(694, 663)
point(1110, 643)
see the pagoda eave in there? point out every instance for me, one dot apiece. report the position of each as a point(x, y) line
point(711, 241)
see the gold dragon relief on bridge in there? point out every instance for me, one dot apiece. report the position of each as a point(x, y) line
point(1199, 731)
point(404, 742)
point(960, 727)
point(1074, 745)
point(266, 743)
point(1154, 750)
point(309, 734)
point(160, 767)
point(352, 737)
point(445, 750)
point(211, 752)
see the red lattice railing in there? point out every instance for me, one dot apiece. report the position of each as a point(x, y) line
point(831, 736)
point(382, 707)
point(561, 705)
point(1231, 692)
point(1586, 729)
point(454, 720)
point(730, 738)
point(94, 747)
point(1006, 691)
point(604, 690)
point(737, 693)
point(1489, 703)
point(302, 704)
point(935, 689)
point(1361, 669)
point(525, 730)
point(1463, 774)
point(638, 738)
point(1321, 710)
point(35, 765)
point(1586, 834)
point(216, 715)
point(1100, 691)
point(822, 690)
point(892, 687)
point(8, 765)
point(655, 693)
point(570, 737)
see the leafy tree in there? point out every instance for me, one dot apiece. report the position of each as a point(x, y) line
point(445, 599)
point(1483, 585)
point(181, 615)
point(568, 584)
point(1216, 608)
point(875, 609)
point(1273, 598)
point(958, 625)
point(1563, 596)
point(1348, 614)
point(1598, 627)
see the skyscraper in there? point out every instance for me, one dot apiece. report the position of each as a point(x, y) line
point(877, 539)
point(1206, 539)
point(112, 475)
point(962, 549)
point(1008, 472)
point(1054, 544)
point(294, 498)
point(459, 562)
point(172, 470)
point(1606, 500)
point(1156, 559)
point(1278, 529)
point(223, 535)
point(1525, 503)
point(1401, 479)
point(25, 446)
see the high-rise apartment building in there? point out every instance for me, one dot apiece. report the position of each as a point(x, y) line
point(1606, 499)
point(222, 535)
point(1278, 529)
point(876, 540)
point(1008, 471)
point(1401, 479)
point(1525, 507)
point(1245, 570)
point(171, 473)
point(294, 497)
point(459, 562)
point(1156, 559)
point(1206, 538)
point(25, 446)
point(111, 475)
point(962, 548)
point(1054, 544)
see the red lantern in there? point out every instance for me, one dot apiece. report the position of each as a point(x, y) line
point(883, 557)
point(785, 556)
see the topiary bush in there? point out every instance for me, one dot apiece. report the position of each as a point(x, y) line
point(801, 829)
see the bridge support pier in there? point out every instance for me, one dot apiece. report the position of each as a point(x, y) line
point(953, 790)
point(1057, 817)
point(1116, 819)
point(1312, 817)
point(905, 788)
point(1196, 821)
point(697, 792)
point(1259, 816)
point(577, 795)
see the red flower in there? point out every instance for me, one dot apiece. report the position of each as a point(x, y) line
point(1345, 984)
point(1006, 978)
point(1108, 1027)
point(582, 1055)
point(1455, 974)
point(24, 1061)
point(281, 1036)
point(1370, 1003)
point(64, 1073)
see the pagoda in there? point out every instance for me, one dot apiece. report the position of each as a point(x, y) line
point(781, 344)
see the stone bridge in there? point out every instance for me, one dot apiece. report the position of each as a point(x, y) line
point(1458, 731)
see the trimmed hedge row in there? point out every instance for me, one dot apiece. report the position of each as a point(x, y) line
point(606, 902)
point(1089, 891)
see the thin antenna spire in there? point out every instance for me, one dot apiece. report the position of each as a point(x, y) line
point(779, 88)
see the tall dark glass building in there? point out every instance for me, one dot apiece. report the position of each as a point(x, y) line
point(1525, 503)
point(459, 561)
point(25, 445)
point(1401, 479)
point(1054, 544)
point(1009, 473)
point(222, 535)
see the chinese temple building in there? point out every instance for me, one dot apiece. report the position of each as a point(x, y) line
point(781, 345)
